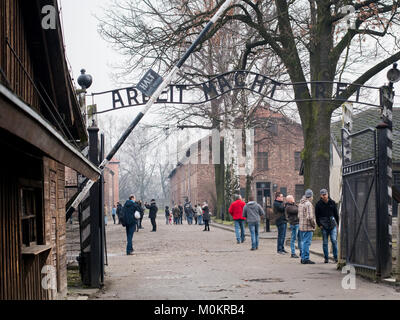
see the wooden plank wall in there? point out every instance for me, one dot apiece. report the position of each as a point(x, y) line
point(12, 27)
point(55, 224)
point(10, 269)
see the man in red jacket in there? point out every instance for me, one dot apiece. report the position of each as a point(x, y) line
point(236, 211)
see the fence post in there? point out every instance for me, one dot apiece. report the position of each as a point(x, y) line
point(384, 214)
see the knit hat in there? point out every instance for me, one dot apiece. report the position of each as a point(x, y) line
point(309, 193)
point(323, 191)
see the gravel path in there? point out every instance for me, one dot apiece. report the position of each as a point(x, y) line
point(183, 263)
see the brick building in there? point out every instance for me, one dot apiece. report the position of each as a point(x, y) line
point(278, 143)
point(111, 184)
point(42, 132)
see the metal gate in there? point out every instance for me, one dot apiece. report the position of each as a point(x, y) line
point(360, 201)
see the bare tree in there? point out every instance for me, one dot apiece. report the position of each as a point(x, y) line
point(310, 40)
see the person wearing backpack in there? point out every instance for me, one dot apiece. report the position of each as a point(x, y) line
point(129, 221)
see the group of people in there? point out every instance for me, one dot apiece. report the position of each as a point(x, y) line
point(303, 219)
point(200, 214)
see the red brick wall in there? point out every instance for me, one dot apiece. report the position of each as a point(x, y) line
point(281, 170)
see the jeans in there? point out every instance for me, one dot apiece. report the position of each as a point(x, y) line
point(253, 227)
point(200, 220)
point(333, 234)
point(167, 219)
point(130, 229)
point(190, 220)
point(239, 230)
point(206, 225)
point(295, 234)
point(113, 216)
point(281, 236)
point(306, 237)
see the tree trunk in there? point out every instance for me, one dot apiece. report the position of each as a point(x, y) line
point(220, 182)
point(316, 153)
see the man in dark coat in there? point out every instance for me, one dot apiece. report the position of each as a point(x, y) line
point(152, 214)
point(130, 221)
point(119, 212)
point(281, 222)
point(180, 213)
point(327, 218)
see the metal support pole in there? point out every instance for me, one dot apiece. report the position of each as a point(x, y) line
point(151, 101)
point(95, 214)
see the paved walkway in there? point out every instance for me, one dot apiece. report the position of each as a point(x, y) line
point(184, 263)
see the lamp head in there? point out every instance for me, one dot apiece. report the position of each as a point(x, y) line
point(394, 74)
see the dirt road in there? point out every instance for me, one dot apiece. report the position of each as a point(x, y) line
point(183, 262)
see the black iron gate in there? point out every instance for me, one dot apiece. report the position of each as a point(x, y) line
point(360, 204)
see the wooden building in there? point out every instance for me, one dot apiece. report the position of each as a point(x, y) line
point(41, 132)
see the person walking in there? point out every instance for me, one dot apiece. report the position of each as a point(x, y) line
point(236, 211)
point(188, 211)
point(176, 212)
point(142, 209)
point(307, 225)
point(292, 214)
point(180, 213)
point(252, 211)
point(167, 214)
point(206, 217)
point(152, 214)
point(327, 217)
point(119, 212)
point(114, 212)
point(195, 213)
point(199, 214)
point(130, 221)
point(281, 222)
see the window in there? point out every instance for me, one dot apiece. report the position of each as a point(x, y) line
point(273, 128)
point(396, 178)
point(283, 190)
point(297, 160)
point(262, 160)
point(299, 192)
point(28, 216)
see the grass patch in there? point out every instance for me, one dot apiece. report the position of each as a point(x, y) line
point(74, 278)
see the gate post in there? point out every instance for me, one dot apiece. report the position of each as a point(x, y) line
point(95, 213)
point(384, 214)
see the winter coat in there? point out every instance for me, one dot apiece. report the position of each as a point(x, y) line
point(119, 210)
point(176, 212)
point(153, 210)
point(167, 212)
point(188, 209)
point(292, 213)
point(306, 215)
point(199, 211)
point(252, 211)
point(128, 212)
point(236, 210)
point(326, 214)
point(180, 211)
point(206, 213)
point(279, 212)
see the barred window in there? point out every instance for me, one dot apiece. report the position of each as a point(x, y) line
point(297, 160)
point(262, 160)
